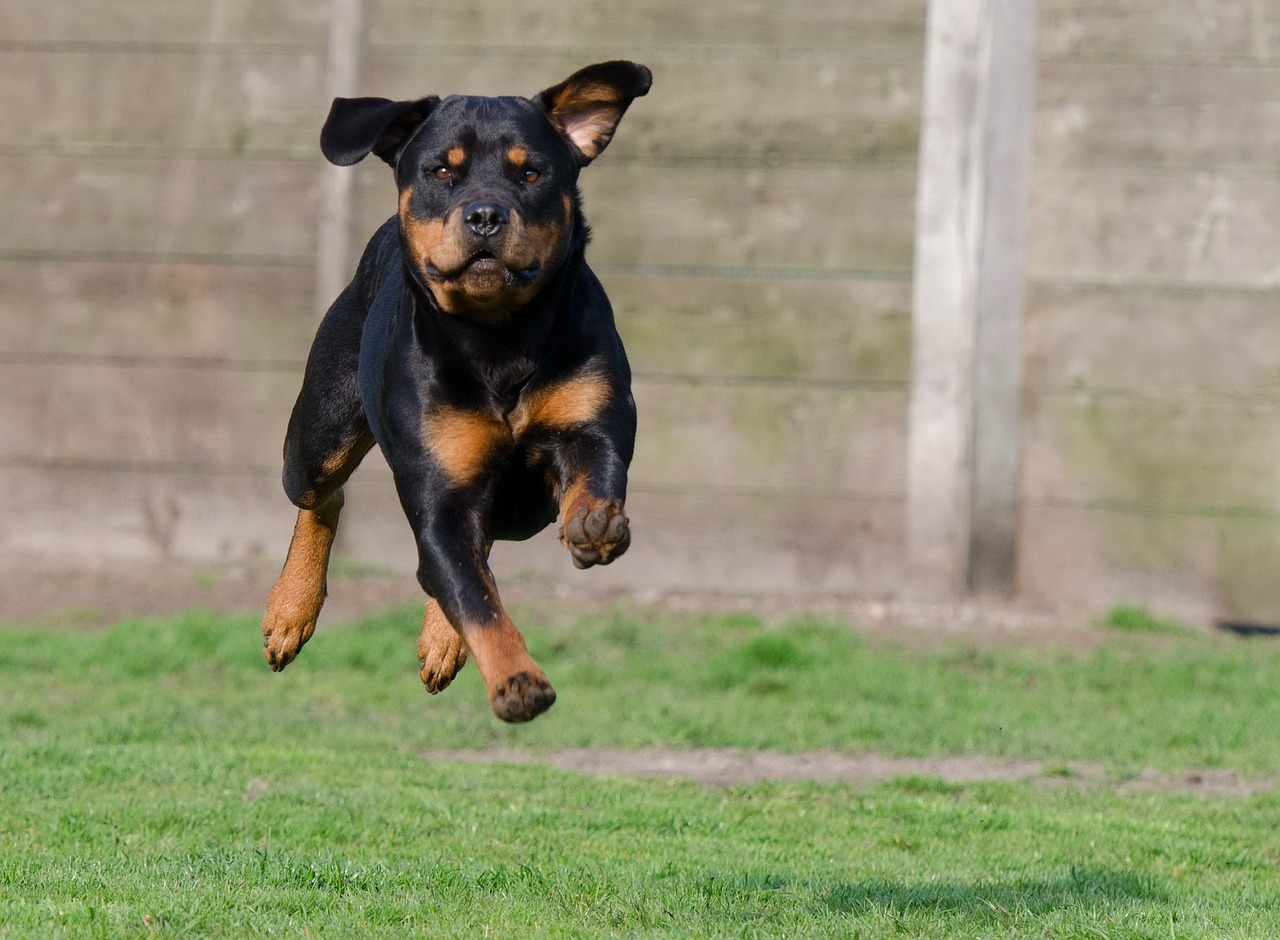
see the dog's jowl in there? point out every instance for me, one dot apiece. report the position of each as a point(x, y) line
point(478, 351)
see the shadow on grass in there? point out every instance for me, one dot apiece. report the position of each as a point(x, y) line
point(1078, 888)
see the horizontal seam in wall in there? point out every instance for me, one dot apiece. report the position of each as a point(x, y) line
point(254, 471)
point(911, 52)
point(1120, 284)
point(1151, 509)
point(101, 256)
point(1055, 167)
point(156, 468)
point(213, 259)
point(11, 358)
point(1086, 395)
point(1047, 59)
point(860, 161)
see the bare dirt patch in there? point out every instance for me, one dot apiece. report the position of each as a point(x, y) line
point(732, 767)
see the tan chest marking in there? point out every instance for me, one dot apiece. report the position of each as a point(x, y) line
point(463, 443)
point(572, 403)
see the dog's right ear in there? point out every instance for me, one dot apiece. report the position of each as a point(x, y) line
point(357, 127)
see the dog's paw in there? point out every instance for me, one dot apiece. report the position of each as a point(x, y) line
point(440, 657)
point(522, 697)
point(598, 534)
point(283, 634)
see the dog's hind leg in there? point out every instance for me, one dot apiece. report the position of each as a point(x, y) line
point(328, 437)
point(294, 603)
point(293, 606)
point(441, 652)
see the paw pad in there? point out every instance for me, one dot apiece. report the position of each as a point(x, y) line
point(522, 697)
point(596, 535)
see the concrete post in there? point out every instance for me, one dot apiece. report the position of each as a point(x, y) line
point(968, 292)
point(333, 239)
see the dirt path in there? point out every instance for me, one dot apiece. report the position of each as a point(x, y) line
point(729, 767)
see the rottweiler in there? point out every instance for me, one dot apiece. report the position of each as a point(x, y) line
point(478, 350)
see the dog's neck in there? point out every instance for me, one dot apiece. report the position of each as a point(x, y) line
point(500, 356)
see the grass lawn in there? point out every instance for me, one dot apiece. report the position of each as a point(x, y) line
point(157, 779)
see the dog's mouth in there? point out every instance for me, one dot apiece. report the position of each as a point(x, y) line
point(484, 287)
point(483, 269)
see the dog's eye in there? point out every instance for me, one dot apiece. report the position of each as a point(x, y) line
point(442, 173)
point(531, 176)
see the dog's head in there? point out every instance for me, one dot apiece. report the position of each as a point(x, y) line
point(488, 186)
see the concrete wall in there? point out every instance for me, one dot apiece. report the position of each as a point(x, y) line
point(1151, 427)
point(162, 189)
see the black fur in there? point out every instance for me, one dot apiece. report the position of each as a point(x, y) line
point(474, 346)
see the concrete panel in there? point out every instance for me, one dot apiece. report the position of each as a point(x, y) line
point(87, 516)
point(1197, 567)
point(82, 98)
point(142, 23)
point(1121, 225)
point(615, 28)
point(65, 308)
point(1162, 453)
point(252, 210)
point(1098, 557)
point(148, 417)
point(769, 437)
point(828, 330)
point(1154, 339)
point(1190, 30)
point(1159, 113)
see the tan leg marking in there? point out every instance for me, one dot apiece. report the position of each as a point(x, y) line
point(518, 688)
point(294, 603)
point(441, 652)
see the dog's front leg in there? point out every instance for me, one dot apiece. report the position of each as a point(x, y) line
point(591, 488)
point(453, 569)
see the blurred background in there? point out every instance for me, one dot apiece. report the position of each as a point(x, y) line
point(171, 236)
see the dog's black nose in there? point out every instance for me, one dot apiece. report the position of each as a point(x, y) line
point(486, 218)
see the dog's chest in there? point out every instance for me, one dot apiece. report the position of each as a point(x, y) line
point(465, 442)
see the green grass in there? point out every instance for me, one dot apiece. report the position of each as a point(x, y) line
point(157, 780)
point(1140, 620)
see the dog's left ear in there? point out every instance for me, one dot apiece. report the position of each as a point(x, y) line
point(587, 106)
point(357, 127)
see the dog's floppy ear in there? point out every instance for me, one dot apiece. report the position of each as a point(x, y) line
point(357, 127)
point(587, 106)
